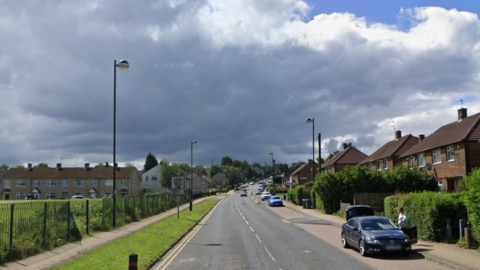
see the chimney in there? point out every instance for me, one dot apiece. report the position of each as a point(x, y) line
point(87, 166)
point(421, 137)
point(116, 167)
point(30, 168)
point(462, 113)
point(398, 134)
point(59, 166)
point(345, 146)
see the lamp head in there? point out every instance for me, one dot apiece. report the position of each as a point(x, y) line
point(123, 65)
point(270, 154)
point(309, 120)
point(194, 142)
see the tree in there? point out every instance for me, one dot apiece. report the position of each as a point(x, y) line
point(296, 165)
point(4, 167)
point(167, 171)
point(20, 166)
point(150, 162)
point(250, 173)
point(129, 165)
point(237, 163)
point(41, 165)
point(200, 170)
point(185, 167)
point(227, 161)
point(232, 176)
point(214, 170)
point(331, 155)
point(101, 165)
point(282, 167)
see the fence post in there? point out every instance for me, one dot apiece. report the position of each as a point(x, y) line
point(449, 229)
point(88, 216)
point(45, 215)
point(132, 261)
point(12, 210)
point(68, 221)
point(125, 209)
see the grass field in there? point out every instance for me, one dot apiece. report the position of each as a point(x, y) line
point(148, 243)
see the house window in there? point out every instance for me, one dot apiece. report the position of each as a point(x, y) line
point(51, 196)
point(21, 183)
point(80, 183)
point(79, 194)
point(64, 183)
point(154, 177)
point(385, 164)
point(36, 183)
point(124, 183)
point(146, 177)
point(450, 153)
point(64, 195)
point(440, 183)
point(370, 166)
point(379, 165)
point(410, 162)
point(51, 183)
point(437, 158)
point(421, 160)
point(94, 182)
point(109, 183)
point(21, 196)
point(6, 184)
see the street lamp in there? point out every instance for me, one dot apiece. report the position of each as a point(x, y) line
point(122, 65)
point(213, 161)
point(312, 121)
point(191, 173)
point(274, 172)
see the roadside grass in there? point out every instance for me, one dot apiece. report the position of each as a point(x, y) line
point(148, 244)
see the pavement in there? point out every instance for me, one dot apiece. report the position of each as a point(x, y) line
point(61, 255)
point(446, 254)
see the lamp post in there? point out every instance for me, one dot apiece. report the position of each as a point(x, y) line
point(212, 161)
point(312, 121)
point(273, 167)
point(122, 65)
point(191, 173)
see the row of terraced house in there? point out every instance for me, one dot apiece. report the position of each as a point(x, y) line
point(449, 154)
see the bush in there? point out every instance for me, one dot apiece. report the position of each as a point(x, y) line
point(471, 198)
point(428, 211)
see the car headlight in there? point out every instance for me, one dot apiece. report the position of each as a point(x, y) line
point(406, 239)
point(371, 240)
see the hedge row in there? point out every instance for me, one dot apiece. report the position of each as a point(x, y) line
point(429, 211)
point(299, 193)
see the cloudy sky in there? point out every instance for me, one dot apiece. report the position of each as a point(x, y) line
point(238, 76)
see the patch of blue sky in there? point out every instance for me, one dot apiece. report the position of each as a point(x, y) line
point(464, 100)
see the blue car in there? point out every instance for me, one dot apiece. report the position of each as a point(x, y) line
point(275, 201)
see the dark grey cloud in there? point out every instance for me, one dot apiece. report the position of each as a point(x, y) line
point(239, 79)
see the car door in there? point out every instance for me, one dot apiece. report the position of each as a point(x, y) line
point(349, 231)
point(356, 234)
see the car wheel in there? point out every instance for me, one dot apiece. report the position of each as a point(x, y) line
point(344, 241)
point(361, 248)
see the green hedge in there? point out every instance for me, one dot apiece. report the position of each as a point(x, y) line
point(299, 193)
point(471, 187)
point(428, 211)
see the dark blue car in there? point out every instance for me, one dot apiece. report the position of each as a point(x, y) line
point(275, 201)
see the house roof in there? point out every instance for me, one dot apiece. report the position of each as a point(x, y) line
point(303, 166)
point(350, 155)
point(69, 173)
point(393, 148)
point(466, 129)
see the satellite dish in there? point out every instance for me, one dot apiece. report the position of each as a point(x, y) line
point(428, 166)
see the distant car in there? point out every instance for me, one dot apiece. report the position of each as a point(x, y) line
point(374, 235)
point(243, 194)
point(78, 197)
point(252, 183)
point(275, 201)
point(265, 196)
point(258, 192)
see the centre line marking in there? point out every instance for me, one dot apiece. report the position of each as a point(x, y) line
point(273, 259)
point(258, 238)
point(251, 228)
point(247, 222)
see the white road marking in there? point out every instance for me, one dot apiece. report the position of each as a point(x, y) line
point(258, 238)
point(247, 222)
point(305, 251)
point(286, 221)
point(251, 228)
point(273, 259)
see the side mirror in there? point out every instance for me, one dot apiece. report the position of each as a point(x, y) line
point(355, 229)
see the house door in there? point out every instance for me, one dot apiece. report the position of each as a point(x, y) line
point(450, 184)
point(7, 196)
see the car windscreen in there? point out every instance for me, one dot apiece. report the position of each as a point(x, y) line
point(377, 224)
point(275, 198)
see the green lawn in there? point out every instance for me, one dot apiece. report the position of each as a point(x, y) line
point(148, 243)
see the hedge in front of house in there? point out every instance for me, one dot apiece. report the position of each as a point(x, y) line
point(428, 211)
point(471, 188)
point(299, 193)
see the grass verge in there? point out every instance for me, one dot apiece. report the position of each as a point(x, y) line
point(148, 243)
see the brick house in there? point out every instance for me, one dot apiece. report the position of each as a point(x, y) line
point(63, 183)
point(303, 174)
point(200, 182)
point(349, 156)
point(450, 153)
point(389, 155)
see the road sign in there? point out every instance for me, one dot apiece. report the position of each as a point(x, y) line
point(178, 185)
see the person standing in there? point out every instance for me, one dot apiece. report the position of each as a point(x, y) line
point(402, 218)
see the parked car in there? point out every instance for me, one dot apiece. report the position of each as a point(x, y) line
point(374, 235)
point(252, 183)
point(258, 192)
point(243, 194)
point(275, 201)
point(365, 210)
point(265, 196)
point(75, 197)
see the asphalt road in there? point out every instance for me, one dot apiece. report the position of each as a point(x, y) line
point(242, 234)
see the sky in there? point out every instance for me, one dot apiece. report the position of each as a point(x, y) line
point(239, 77)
